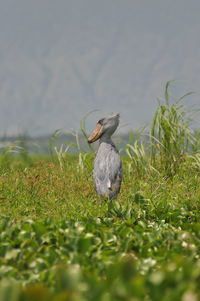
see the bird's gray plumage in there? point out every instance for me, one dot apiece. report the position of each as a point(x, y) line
point(107, 164)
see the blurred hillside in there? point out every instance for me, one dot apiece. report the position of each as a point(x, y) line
point(47, 144)
point(62, 59)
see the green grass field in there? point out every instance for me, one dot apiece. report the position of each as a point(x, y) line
point(59, 242)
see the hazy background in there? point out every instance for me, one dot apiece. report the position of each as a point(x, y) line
point(61, 59)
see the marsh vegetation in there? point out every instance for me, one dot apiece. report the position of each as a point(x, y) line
point(59, 242)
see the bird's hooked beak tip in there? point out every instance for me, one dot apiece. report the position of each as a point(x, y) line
point(96, 134)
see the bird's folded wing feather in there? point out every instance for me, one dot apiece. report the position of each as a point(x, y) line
point(108, 171)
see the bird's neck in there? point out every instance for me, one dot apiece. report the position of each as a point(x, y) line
point(106, 139)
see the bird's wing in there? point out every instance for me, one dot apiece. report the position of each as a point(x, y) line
point(115, 173)
point(108, 173)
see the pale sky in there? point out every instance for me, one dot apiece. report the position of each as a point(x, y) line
point(61, 59)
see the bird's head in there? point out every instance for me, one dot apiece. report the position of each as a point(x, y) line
point(105, 126)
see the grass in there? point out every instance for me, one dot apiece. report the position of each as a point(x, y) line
point(53, 225)
point(59, 242)
point(170, 133)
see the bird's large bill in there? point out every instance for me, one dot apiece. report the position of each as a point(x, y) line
point(96, 134)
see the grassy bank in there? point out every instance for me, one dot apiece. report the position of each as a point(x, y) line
point(59, 242)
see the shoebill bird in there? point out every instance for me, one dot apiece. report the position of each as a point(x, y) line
point(107, 165)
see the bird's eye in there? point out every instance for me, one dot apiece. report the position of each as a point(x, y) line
point(101, 121)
